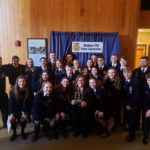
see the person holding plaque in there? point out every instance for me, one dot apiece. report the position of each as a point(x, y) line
point(79, 108)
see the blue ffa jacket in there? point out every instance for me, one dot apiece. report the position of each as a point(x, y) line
point(59, 74)
point(146, 97)
point(43, 106)
point(131, 92)
point(17, 106)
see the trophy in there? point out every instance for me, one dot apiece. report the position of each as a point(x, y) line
point(78, 97)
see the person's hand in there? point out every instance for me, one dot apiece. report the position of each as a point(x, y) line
point(73, 102)
point(12, 117)
point(57, 116)
point(100, 114)
point(62, 115)
point(148, 113)
point(83, 104)
point(128, 108)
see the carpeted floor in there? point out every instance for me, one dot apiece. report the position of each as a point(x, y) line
point(115, 142)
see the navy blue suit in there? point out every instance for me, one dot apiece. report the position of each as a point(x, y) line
point(146, 126)
point(59, 74)
point(131, 96)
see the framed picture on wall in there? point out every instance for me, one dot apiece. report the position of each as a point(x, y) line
point(37, 48)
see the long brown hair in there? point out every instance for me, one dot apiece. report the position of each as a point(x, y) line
point(117, 81)
point(17, 90)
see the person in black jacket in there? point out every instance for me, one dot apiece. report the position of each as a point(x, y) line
point(43, 110)
point(3, 95)
point(112, 85)
point(14, 70)
point(59, 72)
point(140, 73)
point(102, 67)
point(131, 89)
point(44, 77)
point(30, 73)
point(146, 110)
point(19, 106)
point(63, 92)
point(99, 107)
point(114, 62)
point(79, 108)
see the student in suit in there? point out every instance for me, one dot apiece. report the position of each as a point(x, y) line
point(79, 108)
point(30, 73)
point(52, 63)
point(43, 67)
point(59, 72)
point(94, 74)
point(44, 77)
point(63, 93)
point(76, 67)
point(114, 62)
point(19, 106)
point(84, 72)
point(14, 70)
point(89, 65)
point(102, 67)
point(146, 126)
point(43, 110)
point(69, 73)
point(140, 73)
point(112, 85)
point(3, 95)
point(131, 89)
point(99, 107)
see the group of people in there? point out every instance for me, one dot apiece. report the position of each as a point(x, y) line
point(97, 97)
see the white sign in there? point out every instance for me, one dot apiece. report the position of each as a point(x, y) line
point(87, 47)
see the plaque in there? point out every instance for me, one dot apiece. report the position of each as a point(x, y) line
point(78, 96)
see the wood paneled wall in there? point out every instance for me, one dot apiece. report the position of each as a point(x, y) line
point(144, 19)
point(20, 19)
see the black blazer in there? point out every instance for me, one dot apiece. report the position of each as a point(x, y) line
point(131, 92)
point(43, 106)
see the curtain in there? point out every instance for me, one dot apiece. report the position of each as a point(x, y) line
point(61, 44)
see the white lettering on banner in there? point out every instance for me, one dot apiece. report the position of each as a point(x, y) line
point(87, 47)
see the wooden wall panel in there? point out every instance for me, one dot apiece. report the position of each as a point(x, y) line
point(20, 19)
point(144, 19)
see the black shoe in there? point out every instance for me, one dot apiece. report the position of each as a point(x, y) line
point(75, 134)
point(144, 141)
point(84, 135)
point(48, 136)
point(130, 139)
point(35, 138)
point(64, 134)
point(24, 136)
point(13, 137)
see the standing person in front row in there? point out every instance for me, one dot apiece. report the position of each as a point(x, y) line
point(146, 126)
point(63, 92)
point(79, 108)
point(43, 110)
point(131, 91)
point(112, 85)
point(99, 107)
point(19, 106)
